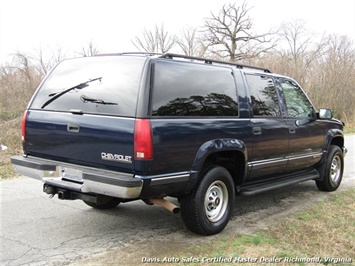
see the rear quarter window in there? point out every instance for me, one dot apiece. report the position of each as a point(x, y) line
point(113, 92)
point(188, 89)
point(263, 94)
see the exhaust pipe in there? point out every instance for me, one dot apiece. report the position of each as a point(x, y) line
point(166, 204)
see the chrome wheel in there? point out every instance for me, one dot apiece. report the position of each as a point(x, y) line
point(207, 209)
point(216, 201)
point(335, 169)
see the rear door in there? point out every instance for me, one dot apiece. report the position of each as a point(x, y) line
point(270, 129)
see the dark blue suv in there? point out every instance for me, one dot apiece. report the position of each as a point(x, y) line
point(115, 128)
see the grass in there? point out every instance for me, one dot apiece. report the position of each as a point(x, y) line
point(349, 130)
point(322, 234)
point(6, 169)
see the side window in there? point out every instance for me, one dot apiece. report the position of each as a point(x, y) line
point(185, 89)
point(264, 98)
point(297, 102)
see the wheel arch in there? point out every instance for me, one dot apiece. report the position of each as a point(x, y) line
point(228, 153)
point(334, 137)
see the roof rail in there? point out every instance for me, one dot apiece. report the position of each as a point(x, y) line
point(140, 53)
point(212, 61)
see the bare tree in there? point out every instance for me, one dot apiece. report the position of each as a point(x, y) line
point(302, 49)
point(147, 42)
point(90, 50)
point(323, 65)
point(300, 43)
point(155, 41)
point(22, 63)
point(18, 80)
point(57, 55)
point(43, 65)
point(230, 33)
point(191, 43)
point(334, 78)
point(44, 60)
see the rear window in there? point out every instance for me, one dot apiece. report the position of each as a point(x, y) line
point(263, 95)
point(186, 89)
point(102, 84)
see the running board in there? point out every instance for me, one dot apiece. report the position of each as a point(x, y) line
point(278, 183)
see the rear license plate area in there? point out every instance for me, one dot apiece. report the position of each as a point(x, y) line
point(71, 174)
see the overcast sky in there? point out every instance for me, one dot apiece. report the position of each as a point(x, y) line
point(26, 25)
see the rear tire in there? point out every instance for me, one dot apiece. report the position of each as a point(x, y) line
point(331, 170)
point(206, 210)
point(107, 204)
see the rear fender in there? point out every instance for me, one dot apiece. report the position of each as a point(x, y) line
point(211, 147)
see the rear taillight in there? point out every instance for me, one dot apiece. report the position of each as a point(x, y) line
point(143, 140)
point(23, 126)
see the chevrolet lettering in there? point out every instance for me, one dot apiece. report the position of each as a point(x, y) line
point(116, 157)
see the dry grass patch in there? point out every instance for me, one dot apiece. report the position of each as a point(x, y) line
point(326, 230)
point(10, 136)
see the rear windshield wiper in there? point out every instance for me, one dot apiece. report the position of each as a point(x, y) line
point(78, 87)
point(93, 100)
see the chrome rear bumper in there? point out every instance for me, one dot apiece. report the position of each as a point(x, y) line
point(79, 178)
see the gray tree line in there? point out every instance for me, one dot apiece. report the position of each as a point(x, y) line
point(323, 65)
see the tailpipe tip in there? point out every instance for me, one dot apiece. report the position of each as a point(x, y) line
point(166, 204)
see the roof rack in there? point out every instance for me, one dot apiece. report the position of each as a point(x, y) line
point(212, 61)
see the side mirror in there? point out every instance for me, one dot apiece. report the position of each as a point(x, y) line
point(325, 113)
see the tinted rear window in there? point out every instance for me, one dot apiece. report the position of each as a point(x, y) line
point(109, 85)
point(263, 95)
point(186, 89)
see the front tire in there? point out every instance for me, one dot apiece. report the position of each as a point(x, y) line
point(331, 170)
point(206, 210)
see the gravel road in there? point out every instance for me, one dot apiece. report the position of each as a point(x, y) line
point(37, 230)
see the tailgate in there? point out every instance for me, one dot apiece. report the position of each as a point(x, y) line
point(92, 140)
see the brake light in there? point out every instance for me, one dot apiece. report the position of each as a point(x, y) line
point(143, 140)
point(23, 126)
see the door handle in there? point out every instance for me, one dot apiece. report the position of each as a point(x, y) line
point(257, 130)
point(292, 130)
